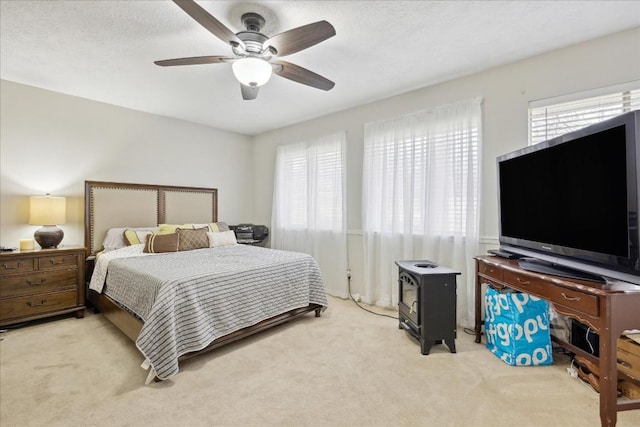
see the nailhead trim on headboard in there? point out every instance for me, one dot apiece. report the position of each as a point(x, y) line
point(160, 203)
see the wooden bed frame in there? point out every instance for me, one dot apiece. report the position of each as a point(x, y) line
point(110, 204)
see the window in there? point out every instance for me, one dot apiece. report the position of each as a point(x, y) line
point(421, 172)
point(309, 206)
point(420, 197)
point(554, 117)
point(310, 189)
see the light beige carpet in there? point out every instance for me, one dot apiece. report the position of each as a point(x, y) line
point(347, 368)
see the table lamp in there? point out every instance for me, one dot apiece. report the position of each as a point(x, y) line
point(48, 212)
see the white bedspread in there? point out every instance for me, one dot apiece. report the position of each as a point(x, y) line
point(204, 294)
point(102, 264)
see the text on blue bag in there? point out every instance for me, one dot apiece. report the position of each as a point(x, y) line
point(517, 328)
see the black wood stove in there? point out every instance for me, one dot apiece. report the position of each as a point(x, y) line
point(427, 303)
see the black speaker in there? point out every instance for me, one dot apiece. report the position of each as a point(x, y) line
point(260, 232)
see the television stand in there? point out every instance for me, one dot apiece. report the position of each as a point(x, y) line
point(608, 308)
point(546, 267)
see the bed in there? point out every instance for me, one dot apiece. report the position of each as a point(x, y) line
point(175, 304)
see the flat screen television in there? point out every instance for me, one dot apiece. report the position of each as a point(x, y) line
point(569, 205)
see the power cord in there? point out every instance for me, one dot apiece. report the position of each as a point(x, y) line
point(358, 304)
point(588, 341)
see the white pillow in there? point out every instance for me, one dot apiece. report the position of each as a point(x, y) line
point(222, 238)
point(114, 238)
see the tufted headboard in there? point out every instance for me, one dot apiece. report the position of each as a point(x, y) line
point(114, 204)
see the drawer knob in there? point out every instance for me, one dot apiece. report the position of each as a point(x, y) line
point(522, 282)
point(53, 261)
point(568, 298)
point(36, 304)
point(10, 267)
point(35, 283)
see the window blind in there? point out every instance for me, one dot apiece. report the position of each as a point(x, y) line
point(417, 172)
point(310, 185)
point(550, 121)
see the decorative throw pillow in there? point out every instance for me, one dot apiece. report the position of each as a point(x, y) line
point(157, 243)
point(192, 239)
point(172, 228)
point(114, 239)
point(222, 238)
point(135, 237)
point(218, 226)
point(213, 227)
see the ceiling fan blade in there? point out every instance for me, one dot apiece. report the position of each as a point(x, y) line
point(302, 75)
point(249, 92)
point(205, 19)
point(192, 61)
point(300, 38)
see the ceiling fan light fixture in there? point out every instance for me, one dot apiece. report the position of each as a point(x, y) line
point(251, 71)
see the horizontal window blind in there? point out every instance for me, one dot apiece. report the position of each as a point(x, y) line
point(310, 184)
point(292, 166)
point(420, 196)
point(417, 172)
point(550, 121)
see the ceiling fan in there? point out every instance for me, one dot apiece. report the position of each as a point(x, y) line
point(254, 54)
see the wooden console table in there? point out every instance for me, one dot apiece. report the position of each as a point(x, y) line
point(608, 308)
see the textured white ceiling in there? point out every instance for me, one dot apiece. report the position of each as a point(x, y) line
point(104, 50)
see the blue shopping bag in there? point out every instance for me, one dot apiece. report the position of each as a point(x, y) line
point(516, 325)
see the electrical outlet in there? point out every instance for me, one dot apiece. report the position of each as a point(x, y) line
point(348, 273)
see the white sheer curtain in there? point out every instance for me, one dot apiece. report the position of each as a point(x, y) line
point(421, 192)
point(309, 206)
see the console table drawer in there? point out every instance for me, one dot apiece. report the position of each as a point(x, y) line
point(526, 283)
point(556, 294)
point(490, 270)
point(575, 300)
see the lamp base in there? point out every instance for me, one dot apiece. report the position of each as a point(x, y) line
point(49, 236)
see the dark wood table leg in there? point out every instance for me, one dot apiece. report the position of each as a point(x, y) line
point(619, 312)
point(478, 307)
point(608, 379)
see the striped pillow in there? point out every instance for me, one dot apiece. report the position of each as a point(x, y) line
point(157, 243)
point(135, 237)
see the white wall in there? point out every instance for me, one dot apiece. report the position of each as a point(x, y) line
point(52, 143)
point(506, 91)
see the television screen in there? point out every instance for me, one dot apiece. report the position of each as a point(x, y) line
point(575, 196)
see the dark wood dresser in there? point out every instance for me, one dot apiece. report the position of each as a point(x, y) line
point(41, 283)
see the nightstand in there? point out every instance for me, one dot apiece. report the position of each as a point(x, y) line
point(41, 283)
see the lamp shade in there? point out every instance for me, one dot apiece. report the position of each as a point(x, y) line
point(252, 72)
point(47, 210)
